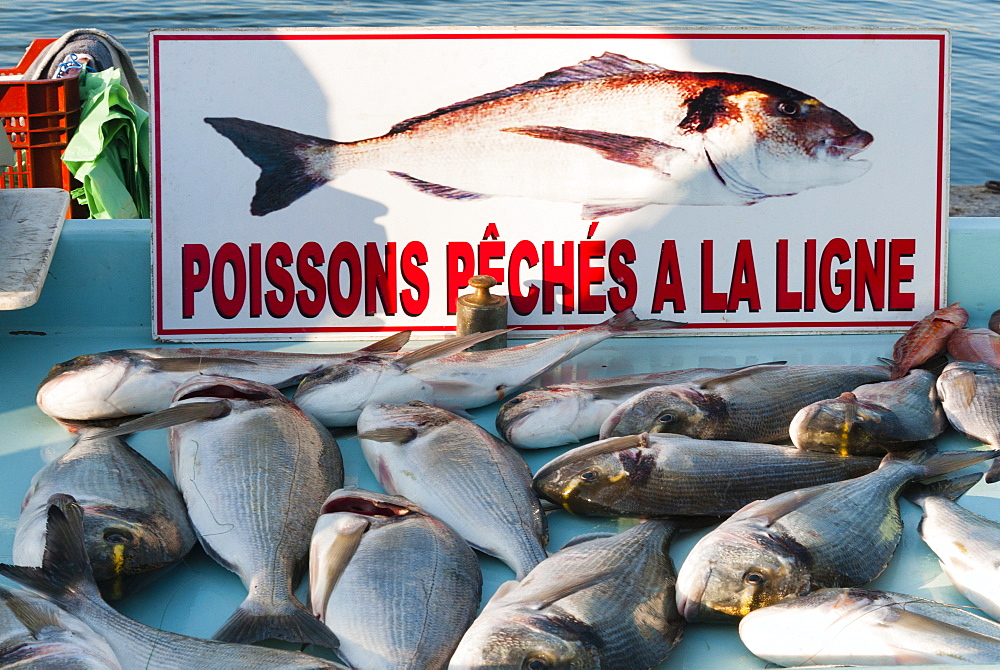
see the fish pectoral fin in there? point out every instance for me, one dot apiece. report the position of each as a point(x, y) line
point(397, 434)
point(499, 594)
point(555, 592)
point(195, 363)
point(447, 347)
point(330, 551)
point(772, 509)
point(602, 211)
point(31, 617)
point(641, 152)
point(706, 383)
point(439, 190)
point(961, 387)
point(388, 345)
point(171, 416)
point(929, 628)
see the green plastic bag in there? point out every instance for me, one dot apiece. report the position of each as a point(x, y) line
point(109, 153)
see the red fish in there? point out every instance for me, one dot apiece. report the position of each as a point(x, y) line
point(926, 339)
point(977, 345)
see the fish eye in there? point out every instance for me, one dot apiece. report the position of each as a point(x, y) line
point(666, 418)
point(515, 401)
point(536, 663)
point(117, 536)
point(754, 578)
point(589, 475)
point(789, 108)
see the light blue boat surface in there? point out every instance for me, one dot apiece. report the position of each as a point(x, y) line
point(97, 297)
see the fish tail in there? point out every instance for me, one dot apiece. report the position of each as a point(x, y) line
point(65, 575)
point(289, 620)
point(952, 489)
point(628, 322)
point(291, 164)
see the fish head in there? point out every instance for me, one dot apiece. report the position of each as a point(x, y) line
point(84, 388)
point(378, 508)
point(765, 139)
point(218, 387)
point(336, 394)
point(538, 419)
point(844, 425)
point(528, 640)
point(730, 573)
point(599, 479)
point(677, 408)
point(408, 421)
point(122, 542)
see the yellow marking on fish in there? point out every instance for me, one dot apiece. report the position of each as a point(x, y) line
point(615, 478)
point(408, 474)
point(845, 435)
point(961, 547)
point(568, 489)
point(117, 569)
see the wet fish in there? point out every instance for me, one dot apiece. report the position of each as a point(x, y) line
point(970, 396)
point(65, 579)
point(966, 544)
point(410, 572)
point(671, 475)
point(976, 345)
point(600, 602)
point(755, 404)
point(552, 416)
point(253, 469)
point(127, 382)
point(874, 418)
point(476, 378)
point(840, 534)
point(461, 474)
point(336, 395)
point(927, 338)
point(134, 519)
point(37, 635)
point(863, 627)
point(634, 133)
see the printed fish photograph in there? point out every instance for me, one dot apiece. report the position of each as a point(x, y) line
point(779, 180)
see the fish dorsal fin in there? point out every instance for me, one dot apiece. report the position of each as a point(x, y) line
point(397, 434)
point(171, 416)
point(196, 363)
point(598, 67)
point(34, 619)
point(774, 508)
point(587, 537)
point(446, 348)
point(707, 383)
point(640, 152)
point(388, 345)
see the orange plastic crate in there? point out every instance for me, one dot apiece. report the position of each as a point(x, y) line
point(39, 116)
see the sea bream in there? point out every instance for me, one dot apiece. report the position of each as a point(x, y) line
point(970, 396)
point(610, 133)
point(66, 580)
point(134, 519)
point(128, 382)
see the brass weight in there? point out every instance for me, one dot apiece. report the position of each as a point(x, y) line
point(481, 311)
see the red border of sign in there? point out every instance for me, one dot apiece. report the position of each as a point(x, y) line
point(939, 222)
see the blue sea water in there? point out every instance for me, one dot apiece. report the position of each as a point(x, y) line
point(974, 26)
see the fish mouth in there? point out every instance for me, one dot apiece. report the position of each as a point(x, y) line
point(689, 601)
point(224, 388)
point(848, 146)
point(365, 507)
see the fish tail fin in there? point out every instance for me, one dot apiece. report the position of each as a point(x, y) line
point(993, 475)
point(255, 620)
point(65, 575)
point(934, 464)
point(628, 322)
point(291, 164)
point(952, 489)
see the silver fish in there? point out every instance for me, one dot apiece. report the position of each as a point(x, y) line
point(552, 416)
point(37, 635)
point(134, 518)
point(476, 378)
point(862, 627)
point(253, 469)
point(410, 572)
point(966, 544)
point(461, 474)
point(754, 404)
point(65, 579)
point(600, 602)
point(873, 418)
point(634, 133)
point(658, 475)
point(840, 534)
point(127, 382)
point(335, 395)
point(970, 396)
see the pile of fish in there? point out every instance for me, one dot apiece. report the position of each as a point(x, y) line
point(801, 466)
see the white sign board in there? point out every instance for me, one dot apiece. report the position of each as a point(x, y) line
point(322, 184)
